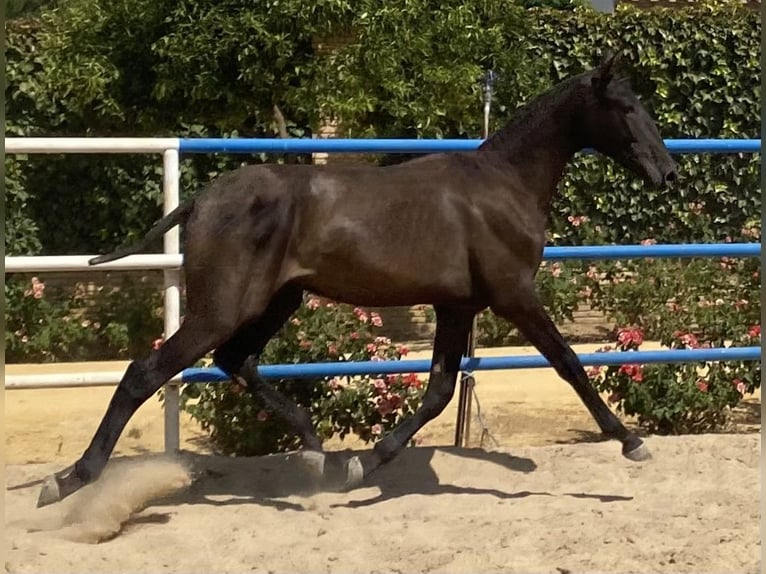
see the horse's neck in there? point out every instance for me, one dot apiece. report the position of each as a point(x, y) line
point(538, 150)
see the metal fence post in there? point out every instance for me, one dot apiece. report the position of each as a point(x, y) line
point(170, 188)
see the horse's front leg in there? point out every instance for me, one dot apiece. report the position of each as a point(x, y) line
point(453, 326)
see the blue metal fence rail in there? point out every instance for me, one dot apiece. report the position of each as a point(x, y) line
point(682, 250)
point(279, 145)
point(354, 368)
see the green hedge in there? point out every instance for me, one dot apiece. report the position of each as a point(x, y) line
point(210, 68)
point(698, 71)
point(411, 69)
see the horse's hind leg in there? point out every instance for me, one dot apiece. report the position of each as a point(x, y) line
point(453, 326)
point(528, 314)
point(239, 358)
point(141, 380)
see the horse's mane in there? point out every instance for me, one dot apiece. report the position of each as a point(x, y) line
point(527, 117)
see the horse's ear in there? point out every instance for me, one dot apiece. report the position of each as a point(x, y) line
point(604, 73)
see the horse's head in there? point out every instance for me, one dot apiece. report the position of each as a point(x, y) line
point(616, 124)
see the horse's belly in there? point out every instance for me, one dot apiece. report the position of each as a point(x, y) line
point(407, 279)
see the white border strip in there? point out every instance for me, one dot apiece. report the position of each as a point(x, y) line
point(68, 380)
point(90, 145)
point(80, 263)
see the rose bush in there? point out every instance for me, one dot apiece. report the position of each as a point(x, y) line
point(49, 324)
point(678, 397)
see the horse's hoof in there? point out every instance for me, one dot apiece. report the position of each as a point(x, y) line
point(313, 462)
point(50, 492)
point(639, 453)
point(59, 485)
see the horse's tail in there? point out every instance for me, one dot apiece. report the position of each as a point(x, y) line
point(179, 215)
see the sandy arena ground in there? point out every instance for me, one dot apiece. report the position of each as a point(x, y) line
point(547, 499)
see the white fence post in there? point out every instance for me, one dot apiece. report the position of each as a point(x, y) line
point(170, 187)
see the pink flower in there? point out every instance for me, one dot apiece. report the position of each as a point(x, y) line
point(688, 339)
point(262, 416)
point(313, 303)
point(754, 332)
point(304, 344)
point(376, 429)
point(649, 241)
point(384, 407)
point(295, 321)
point(412, 380)
point(394, 400)
point(741, 388)
point(332, 350)
point(360, 314)
point(576, 220)
point(628, 336)
point(334, 383)
point(635, 372)
point(376, 320)
point(702, 385)
point(727, 263)
point(37, 288)
point(371, 347)
point(556, 269)
point(380, 385)
point(402, 350)
point(593, 372)
point(741, 303)
point(157, 343)
point(614, 398)
point(354, 336)
point(592, 272)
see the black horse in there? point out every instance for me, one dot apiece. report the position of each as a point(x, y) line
point(459, 231)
